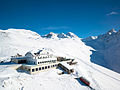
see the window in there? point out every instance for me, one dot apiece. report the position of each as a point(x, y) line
point(38, 62)
point(42, 68)
point(28, 69)
point(39, 68)
point(33, 70)
point(36, 69)
point(48, 66)
point(53, 65)
point(39, 57)
point(45, 67)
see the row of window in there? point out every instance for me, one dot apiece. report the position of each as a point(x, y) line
point(43, 57)
point(42, 68)
point(50, 61)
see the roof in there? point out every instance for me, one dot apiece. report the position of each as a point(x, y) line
point(32, 65)
point(66, 65)
point(18, 58)
point(46, 59)
point(38, 52)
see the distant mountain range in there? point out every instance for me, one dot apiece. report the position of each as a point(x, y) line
point(60, 35)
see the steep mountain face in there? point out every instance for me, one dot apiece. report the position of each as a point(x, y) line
point(107, 49)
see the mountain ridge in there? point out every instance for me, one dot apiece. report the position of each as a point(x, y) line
point(108, 47)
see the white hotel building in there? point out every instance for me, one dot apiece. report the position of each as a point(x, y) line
point(41, 57)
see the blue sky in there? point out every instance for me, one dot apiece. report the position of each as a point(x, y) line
point(82, 17)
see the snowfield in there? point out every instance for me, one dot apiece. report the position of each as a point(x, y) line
point(13, 41)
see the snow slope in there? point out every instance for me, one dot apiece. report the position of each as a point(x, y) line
point(107, 49)
point(22, 41)
point(14, 41)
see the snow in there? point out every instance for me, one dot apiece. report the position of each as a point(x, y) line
point(72, 35)
point(106, 50)
point(60, 35)
point(66, 65)
point(7, 72)
point(13, 41)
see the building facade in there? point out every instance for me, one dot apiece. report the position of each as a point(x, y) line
point(41, 57)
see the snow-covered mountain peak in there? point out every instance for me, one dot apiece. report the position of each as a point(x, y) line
point(50, 35)
point(110, 34)
point(60, 35)
point(111, 31)
point(90, 38)
point(72, 35)
point(94, 37)
point(105, 36)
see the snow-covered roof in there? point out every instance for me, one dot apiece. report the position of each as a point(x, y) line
point(46, 59)
point(66, 65)
point(39, 52)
